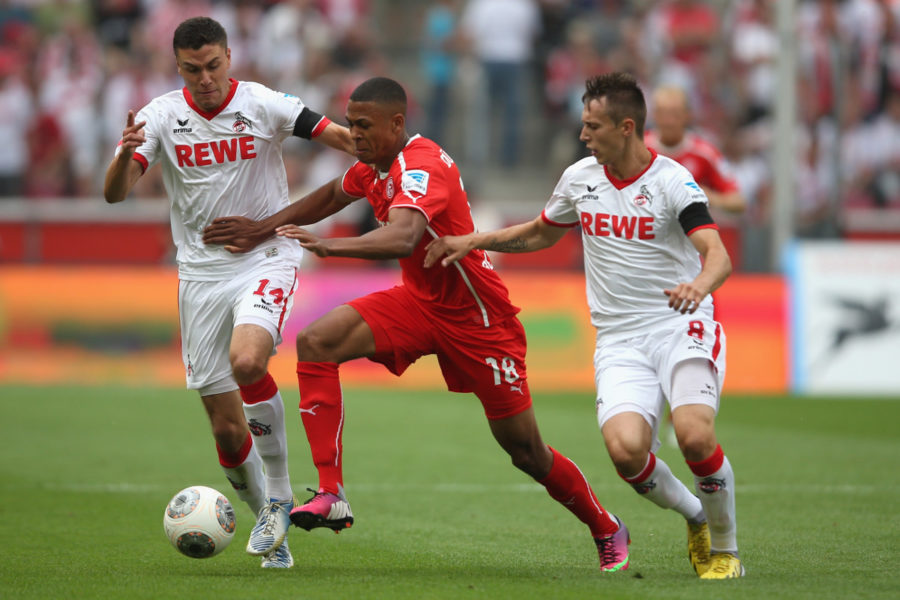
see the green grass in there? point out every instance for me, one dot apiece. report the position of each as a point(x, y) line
point(86, 473)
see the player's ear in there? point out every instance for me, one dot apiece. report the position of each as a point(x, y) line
point(398, 122)
point(627, 126)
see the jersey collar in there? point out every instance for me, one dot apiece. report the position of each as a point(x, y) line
point(209, 115)
point(624, 183)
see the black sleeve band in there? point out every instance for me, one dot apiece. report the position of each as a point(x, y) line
point(695, 215)
point(306, 123)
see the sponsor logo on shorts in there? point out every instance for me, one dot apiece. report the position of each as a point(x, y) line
point(257, 428)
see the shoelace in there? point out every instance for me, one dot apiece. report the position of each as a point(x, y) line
point(607, 548)
point(272, 510)
point(720, 565)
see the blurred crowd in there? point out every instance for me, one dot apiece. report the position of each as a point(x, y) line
point(498, 82)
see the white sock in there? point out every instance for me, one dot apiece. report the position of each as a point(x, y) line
point(266, 421)
point(716, 493)
point(247, 480)
point(657, 484)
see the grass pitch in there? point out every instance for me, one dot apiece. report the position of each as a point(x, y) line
point(440, 513)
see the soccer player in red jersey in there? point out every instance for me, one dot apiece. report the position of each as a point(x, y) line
point(673, 138)
point(462, 314)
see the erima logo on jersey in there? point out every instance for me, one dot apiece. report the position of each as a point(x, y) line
point(591, 188)
point(182, 127)
point(415, 181)
point(620, 226)
point(217, 152)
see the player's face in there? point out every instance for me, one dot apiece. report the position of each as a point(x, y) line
point(670, 116)
point(376, 131)
point(205, 74)
point(600, 134)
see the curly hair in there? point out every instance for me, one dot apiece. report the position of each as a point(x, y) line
point(197, 32)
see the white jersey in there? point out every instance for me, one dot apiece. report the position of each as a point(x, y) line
point(634, 245)
point(217, 164)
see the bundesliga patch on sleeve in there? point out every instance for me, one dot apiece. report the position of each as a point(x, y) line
point(696, 191)
point(291, 97)
point(415, 181)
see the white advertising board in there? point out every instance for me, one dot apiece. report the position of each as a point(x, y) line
point(845, 317)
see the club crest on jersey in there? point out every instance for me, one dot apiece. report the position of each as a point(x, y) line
point(389, 188)
point(241, 123)
point(644, 197)
point(415, 181)
point(182, 126)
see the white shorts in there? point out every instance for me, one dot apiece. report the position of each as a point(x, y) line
point(635, 375)
point(210, 310)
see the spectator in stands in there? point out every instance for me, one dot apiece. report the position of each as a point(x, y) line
point(754, 47)
point(502, 35)
point(671, 137)
point(440, 44)
point(15, 99)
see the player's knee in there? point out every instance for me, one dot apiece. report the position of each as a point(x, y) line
point(696, 443)
point(247, 369)
point(312, 346)
point(628, 458)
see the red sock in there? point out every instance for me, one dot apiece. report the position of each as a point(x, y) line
point(322, 412)
point(232, 460)
point(260, 391)
point(708, 465)
point(566, 484)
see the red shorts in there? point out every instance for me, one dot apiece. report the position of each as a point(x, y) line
point(489, 361)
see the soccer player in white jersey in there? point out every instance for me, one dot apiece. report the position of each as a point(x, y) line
point(219, 143)
point(645, 224)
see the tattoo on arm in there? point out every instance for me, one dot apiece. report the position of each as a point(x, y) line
point(514, 245)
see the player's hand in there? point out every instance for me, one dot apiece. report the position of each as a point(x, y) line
point(451, 247)
point(133, 134)
point(685, 297)
point(238, 234)
point(308, 240)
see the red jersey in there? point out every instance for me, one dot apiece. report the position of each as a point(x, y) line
point(423, 177)
point(701, 158)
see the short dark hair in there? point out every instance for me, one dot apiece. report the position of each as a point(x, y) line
point(381, 90)
point(196, 32)
point(624, 98)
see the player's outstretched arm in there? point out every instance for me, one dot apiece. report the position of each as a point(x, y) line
point(397, 239)
point(686, 297)
point(524, 237)
point(732, 202)
point(338, 137)
point(240, 234)
point(123, 172)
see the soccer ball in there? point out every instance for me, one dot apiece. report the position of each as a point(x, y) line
point(199, 521)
